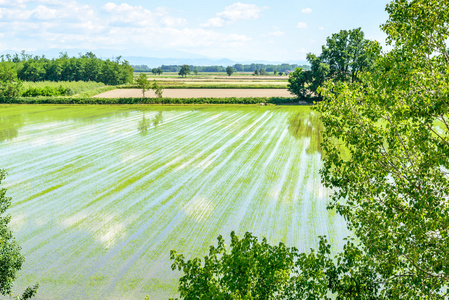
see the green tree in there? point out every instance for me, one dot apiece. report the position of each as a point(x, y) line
point(386, 151)
point(298, 83)
point(185, 70)
point(154, 71)
point(251, 270)
point(256, 72)
point(275, 72)
point(258, 270)
point(10, 259)
point(195, 71)
point(392, 187)
point(345, 55)
point(159, 71)
point(262, 72)
point(158, 89)
point(10, 85)
point(143, 83)
point(229, 70)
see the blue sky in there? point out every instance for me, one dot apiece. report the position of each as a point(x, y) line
point(283, 30)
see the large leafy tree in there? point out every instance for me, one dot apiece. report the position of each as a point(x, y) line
point(393, 188)
point(10, 85)
point(254, 269)
point(386, 149)
point(345, 55)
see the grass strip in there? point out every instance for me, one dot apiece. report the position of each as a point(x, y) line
point(161, 101)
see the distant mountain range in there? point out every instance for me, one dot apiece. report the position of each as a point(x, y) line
point(157, 59)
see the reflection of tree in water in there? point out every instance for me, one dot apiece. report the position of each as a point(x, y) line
point(9, 127)
point(158, 119)
point(307, 125)
point(145, 123)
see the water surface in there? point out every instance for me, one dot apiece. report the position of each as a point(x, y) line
point(102, 193)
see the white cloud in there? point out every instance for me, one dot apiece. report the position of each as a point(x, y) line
point(301, 25)
point(321, 28)
point(306, 10)
point(125, 14)
point(276, 33)
point(47, 10)
point(241, 11)
point(46, 24)
point(233, 13)
point(128, 15)
point(214, 22)
point(44, 13)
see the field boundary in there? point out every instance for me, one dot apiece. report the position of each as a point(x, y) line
point(158, 101)
point(209, 86)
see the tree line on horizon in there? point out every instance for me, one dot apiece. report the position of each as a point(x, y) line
point(236, 67)
point(86, 67)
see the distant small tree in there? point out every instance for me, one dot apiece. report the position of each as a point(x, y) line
point(154, 71)
point(256, 72)
point(185, 70)
point(262, 72)
point(275, 72)
point(281, 73)
point(195, 71)
point(157, 89)
point(229, 70)
point(143, 83)
point(159, 71)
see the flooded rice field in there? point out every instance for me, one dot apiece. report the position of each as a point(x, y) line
point(100, 194)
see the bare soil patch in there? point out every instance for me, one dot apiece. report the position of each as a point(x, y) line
point(197, 93)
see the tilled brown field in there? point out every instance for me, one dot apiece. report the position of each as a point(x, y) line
point(197, 93)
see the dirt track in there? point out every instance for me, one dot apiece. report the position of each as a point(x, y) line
point(197, 93)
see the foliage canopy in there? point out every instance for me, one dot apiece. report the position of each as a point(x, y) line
point(345, 55)
point(394, 188)
point(86, 67)
point(185, 70)
point(258, 270)
point(143, 83)
point(391, 116)
point(229, 70)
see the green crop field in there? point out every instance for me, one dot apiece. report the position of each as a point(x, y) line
point(102, 193)
point(68, 88)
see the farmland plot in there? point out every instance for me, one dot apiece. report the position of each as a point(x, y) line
point(197, 93)
point(102, 193)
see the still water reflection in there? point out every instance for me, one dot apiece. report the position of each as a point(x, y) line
point(307, 124)
point(146, 123)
